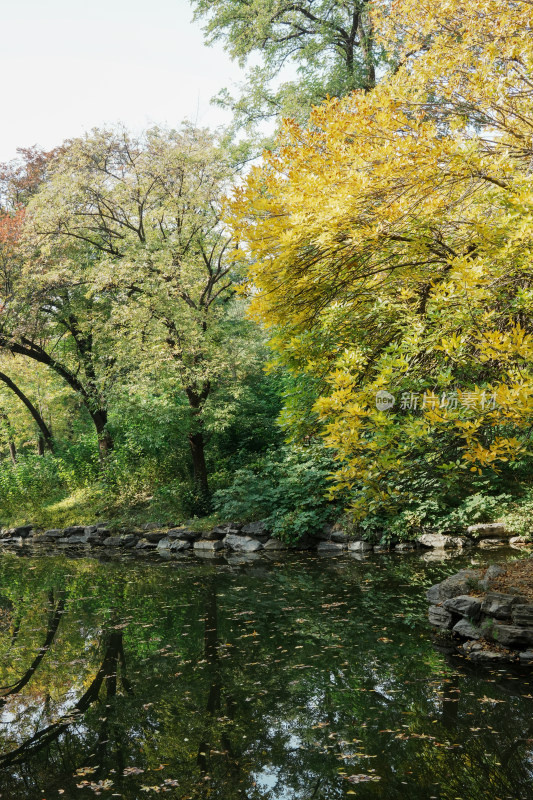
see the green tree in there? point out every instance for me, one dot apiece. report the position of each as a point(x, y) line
point(135, 222)
point(329, 43)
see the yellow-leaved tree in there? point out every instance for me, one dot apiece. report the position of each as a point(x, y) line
point(389, 246)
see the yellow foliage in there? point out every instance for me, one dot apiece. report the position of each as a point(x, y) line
point(399, 225)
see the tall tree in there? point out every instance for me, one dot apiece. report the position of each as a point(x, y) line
point(390, 244)
point(136, 220)
point(329, 44)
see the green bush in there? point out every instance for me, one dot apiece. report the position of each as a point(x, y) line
point(287, 488)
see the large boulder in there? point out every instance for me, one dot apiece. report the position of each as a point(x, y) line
point(441, 541)
point(499, 605)
point(20, 531)
point(464, 605)
point(484, 530)
point(215, 534)
point(523, 614)
point(208, 545)
point(145, 544)
point(439, 617)
point(244, 544)
point(74, 530)
point(453, 586)
point(154, 536)
point(360, 547)
point(465, 629)
point(173, 545)
point(330, 547)
point(183, 534)
point(510, 635)
point(255, 529)
point(52, 534)
point(493, 572)
point(275, 544)
point(338, 535)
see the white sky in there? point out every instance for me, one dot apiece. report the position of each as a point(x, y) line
point(71, 65)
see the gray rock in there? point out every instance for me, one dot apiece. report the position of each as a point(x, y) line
point(519, 540)
point(526, 657)
point(21, 532)
point(511, 635)
point(491, 544)
point(359, 547)
point(154, 536)
point(183, 534)
point(483, 530)
point(53, 533)
point(403, 547)
point(214, 534)
point(439, 617)
point(102, 530)
point(467, 630)
point(73, 539)
point(255, 529)
point(144, 544)
point(465, 605)
point(380, 548)
point(499, 605)
point(174, 545)
point(208, 545)
point(151, 526)
point(90, 529)
point(488, 657)
point(494, 571)
point(441, 541)
point(453, 586)
point(243, 544)
point(339, 536)
point(112, 541)
point(523, 614)
point(96, 538)
point(74, 530)
point(330, 547)
point(275, 544)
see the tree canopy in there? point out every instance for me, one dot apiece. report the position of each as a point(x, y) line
point(299, 52)
point(389, 245)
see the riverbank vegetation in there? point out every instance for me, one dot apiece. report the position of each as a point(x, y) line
point(342, 327)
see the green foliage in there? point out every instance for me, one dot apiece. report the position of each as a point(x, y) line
point(518, 516)
point(306, 51)
point(286, 488)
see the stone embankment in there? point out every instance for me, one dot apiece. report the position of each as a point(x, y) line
point(492, 618)
point(249, 538)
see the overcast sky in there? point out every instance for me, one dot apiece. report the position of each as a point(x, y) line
point(71, 65)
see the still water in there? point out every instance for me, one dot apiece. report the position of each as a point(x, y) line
point(303, 679)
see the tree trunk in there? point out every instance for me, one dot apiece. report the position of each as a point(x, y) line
point(40, 446)
point(197, 447)
point(10, 442)
point(45, 432)
point(105, 440)
point(197, 397)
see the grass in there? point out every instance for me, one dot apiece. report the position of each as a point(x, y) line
point(88, 505)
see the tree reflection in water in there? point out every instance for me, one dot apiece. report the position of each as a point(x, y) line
point(307, 679)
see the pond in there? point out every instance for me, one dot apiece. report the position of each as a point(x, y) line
point(303, 679)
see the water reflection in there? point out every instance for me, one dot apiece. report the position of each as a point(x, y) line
point(311, 678)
